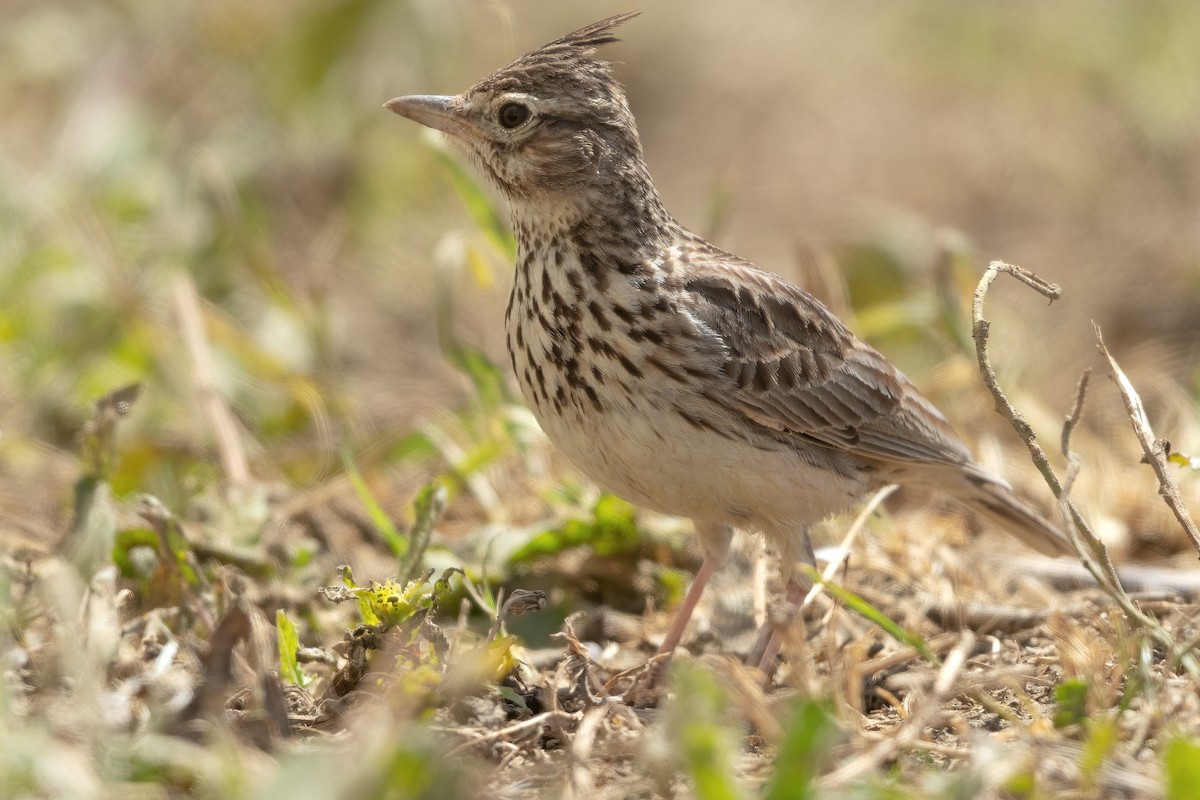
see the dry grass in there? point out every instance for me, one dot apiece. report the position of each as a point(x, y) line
point(203, 198)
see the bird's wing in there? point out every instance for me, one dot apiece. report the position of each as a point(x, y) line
point(794, 368)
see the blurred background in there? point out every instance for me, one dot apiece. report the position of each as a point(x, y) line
point(206, 198)
point(352, 283)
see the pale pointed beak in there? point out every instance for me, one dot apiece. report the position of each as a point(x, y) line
point(433, 111)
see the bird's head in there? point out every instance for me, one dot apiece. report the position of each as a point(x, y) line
point(552, 126)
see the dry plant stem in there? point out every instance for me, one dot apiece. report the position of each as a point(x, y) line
point(1135, 577)
point(476, 481)
point(762, 569)
point(1075, 413)
point(915, 724)
point(979, 332)
point(1156, 450)
point(1090, 549)
point(986, 616)
point(499, 620)
point(843, 551)
point(533, 723)
point(771, 639)
point(220, 418)
point(938, 645)
point(581, 783)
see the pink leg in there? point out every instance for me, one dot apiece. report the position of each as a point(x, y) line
point(684, 614)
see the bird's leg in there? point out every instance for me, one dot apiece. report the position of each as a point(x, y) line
point(773, 634)
point(684, 614)
point(760, 642)
point(714, 541)
point(770, 635)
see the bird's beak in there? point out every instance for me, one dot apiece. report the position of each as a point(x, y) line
point(433, 111)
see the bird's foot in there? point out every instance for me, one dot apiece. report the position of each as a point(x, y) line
point(770, 635)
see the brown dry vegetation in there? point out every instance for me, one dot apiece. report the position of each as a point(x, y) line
point(229, 163)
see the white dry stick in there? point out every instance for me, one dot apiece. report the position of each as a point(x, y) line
point(913, 727)
point(582, 784)
point(1156, 450)
point(762, 570)
point(843, 550)
point(213, 403)
point(522, 728)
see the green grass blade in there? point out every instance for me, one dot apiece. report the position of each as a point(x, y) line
point(396, 541)
point(810, 733)
point(868, 611)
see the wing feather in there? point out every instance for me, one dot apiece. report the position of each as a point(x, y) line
point(794, 368)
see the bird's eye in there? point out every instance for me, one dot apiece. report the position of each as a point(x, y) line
point(513, 114)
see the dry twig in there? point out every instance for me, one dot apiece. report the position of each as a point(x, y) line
point(518, 729)
point(1156, 450)
point(1088, 546)
point(1073, 416)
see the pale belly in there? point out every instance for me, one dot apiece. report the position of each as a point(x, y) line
point(659, 460)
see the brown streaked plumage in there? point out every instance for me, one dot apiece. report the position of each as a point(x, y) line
point(677, 375)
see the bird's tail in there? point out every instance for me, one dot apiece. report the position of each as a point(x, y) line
point(993, 500)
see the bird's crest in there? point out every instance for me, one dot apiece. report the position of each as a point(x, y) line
point(568, 61)
point(587, 39)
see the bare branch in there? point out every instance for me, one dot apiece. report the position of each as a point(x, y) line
point(1156, 450)
point(1075, 413)
point(979, 332)
point(1088, 546)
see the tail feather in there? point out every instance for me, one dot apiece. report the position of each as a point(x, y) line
point(995, 502)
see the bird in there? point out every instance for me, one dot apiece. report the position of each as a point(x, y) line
point(679, 376)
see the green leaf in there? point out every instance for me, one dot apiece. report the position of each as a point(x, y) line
point(674, 584)
point(612, 530)
point(810, 733)
point(319, 41)
point(348, 577)
point(705, 741)
point(427, 508)
point(415, 446)
point(94, 527)
point(875, 274)
point(1181, 765)
point(389, 604)
point(1102, 735)
point(128, 540)
point(289, 643)
point(442, 588)
point(1185, 461)
point(511, 696)
point(487, 379)
point(1071, 696)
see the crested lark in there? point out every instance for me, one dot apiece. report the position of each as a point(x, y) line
point(679, 376)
